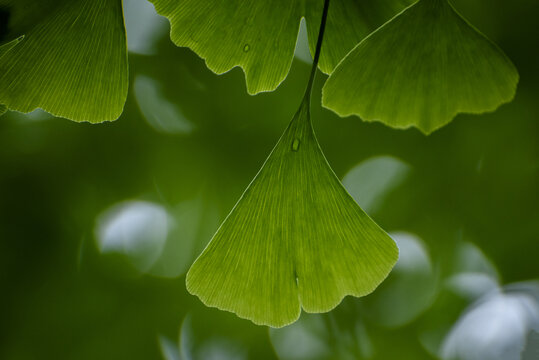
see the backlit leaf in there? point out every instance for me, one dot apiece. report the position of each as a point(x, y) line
point(349, 21)
point(296, 239)
point(420, 69)
point(4, 50)
point(72, 61)
point(259, 36)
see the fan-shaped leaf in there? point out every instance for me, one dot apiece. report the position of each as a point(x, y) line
point(259, 36)
point(420, 69)
point(4, 49)
point(72, 61)
point(295, 239)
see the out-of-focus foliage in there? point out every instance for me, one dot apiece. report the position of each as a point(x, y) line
point(469, 197)
point(531, 350)
point(371, 180)
point(496, 326)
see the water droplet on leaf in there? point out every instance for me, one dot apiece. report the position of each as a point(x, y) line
point(276, 251)
point(295, 144)
point(246, 48)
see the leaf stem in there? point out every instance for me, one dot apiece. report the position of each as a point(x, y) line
point(309, 88)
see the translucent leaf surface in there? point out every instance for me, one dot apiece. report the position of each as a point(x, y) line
point(349, 21)
point(296, 239)
point(260, 36)
point(4, 50)
point(72, 61)
point(420, 69)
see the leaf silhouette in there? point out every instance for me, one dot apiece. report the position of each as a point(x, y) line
point(420, 69)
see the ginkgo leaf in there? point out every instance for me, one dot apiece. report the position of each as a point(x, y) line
point(296, 239)
point(349, 21)
point(260, 36)
point(420, 69)
point(4, 50)
point(72, 61)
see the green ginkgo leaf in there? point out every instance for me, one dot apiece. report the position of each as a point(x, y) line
point(72, 61)
point(260, 36)
point(296, 239)
point(420, 69)
point(4, 50)
point(349, 21)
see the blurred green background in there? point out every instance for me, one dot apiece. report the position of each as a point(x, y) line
point(99, 223)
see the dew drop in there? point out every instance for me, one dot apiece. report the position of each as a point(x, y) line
point(295, 144)
point(246, 48)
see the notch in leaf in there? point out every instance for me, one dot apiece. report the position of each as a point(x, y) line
point(420, 69)
point(259, 36)
point(72, 61)
point(295, 239)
